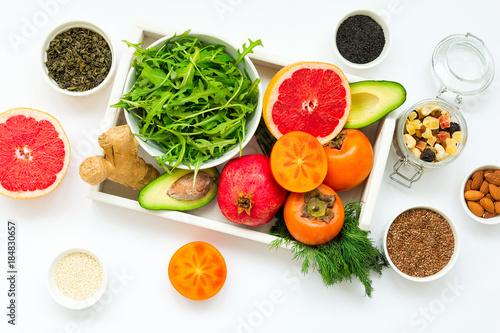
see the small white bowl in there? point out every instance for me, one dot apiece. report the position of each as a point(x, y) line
point(252, 121)
point(62, 299)
point(491, 220)
point(387, 35)
point(64, 27)
point(445, 269)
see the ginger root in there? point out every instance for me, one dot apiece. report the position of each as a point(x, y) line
point(121, 162)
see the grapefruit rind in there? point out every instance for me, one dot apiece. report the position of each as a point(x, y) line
point(38, 116)
point(272, 94)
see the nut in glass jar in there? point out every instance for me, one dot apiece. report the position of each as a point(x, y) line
point(433, 132)
point(430, 134)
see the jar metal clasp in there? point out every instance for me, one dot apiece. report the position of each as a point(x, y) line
point(406, 180)
point(453, 99)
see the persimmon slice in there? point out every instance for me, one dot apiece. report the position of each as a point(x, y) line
point(197, 271)
point(298, 162)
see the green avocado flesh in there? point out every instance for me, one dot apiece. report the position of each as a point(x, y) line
point(372, 100)
point(154, 195)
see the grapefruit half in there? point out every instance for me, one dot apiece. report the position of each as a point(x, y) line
point(311, 97)
point(34, 153)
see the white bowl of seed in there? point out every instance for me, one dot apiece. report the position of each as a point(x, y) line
point(362, 39)
point(77, 278)
point(421, 244)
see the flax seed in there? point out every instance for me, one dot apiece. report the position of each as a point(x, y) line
point(420, 242)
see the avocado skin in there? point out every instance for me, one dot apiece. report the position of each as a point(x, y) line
point(154, 195)
point(391, 95)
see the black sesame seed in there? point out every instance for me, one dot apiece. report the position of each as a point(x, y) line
point(360, 39)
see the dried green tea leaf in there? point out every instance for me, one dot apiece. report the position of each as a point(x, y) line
point(78, 59)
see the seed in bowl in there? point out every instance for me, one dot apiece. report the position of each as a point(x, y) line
point(482, 193)
point(360, 39)
point(430, 134)
point(79, 276)
point(420, 242)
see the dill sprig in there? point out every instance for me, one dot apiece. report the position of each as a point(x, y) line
point(350, 254)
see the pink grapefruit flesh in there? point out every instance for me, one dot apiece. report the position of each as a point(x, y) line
point(311, 97)
point(34, 153)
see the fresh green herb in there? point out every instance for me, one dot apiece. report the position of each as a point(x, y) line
point(191, 98)
point(351, 253)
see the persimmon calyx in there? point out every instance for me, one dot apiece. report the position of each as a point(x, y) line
point(337, 141)
point(318, 206)
point(244, 203)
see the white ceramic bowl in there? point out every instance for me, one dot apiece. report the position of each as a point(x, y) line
point(387, 35)
point(253, 119)
point(64, 27)
point(463, 202)
point(62, 299)
point(445, 269)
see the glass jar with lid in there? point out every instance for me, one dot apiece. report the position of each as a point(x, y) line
point(433, 132)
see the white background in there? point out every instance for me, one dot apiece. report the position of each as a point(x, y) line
point(264, 291)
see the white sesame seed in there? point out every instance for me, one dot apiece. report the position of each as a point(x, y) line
point(78, 275)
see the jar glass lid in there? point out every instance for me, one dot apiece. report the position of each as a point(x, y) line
point(463, 64)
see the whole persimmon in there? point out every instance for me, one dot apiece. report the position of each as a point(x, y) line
point(350, 160)
point(314, 217)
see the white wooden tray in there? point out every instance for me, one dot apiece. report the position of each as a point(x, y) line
point(209, 216)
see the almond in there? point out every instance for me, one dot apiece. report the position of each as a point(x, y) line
point(475, 208)
point(487, 204)
point(497, 207)
point(489, 197)
point(488, 171)
point(488, 215)
point(484, 187)
point(477, 180)
point(468, 185)
point(495, 192)
point(493, 178)
point(472, 195)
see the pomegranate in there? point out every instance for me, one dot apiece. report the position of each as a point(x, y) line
point(248, 193)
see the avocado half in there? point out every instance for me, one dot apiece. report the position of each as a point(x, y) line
point(372, 100)
point(154, 195)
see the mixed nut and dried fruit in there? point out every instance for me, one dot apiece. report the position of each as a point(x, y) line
point(482, 193)
point(430, 134)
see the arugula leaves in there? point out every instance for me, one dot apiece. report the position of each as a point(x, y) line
point(191, 99)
